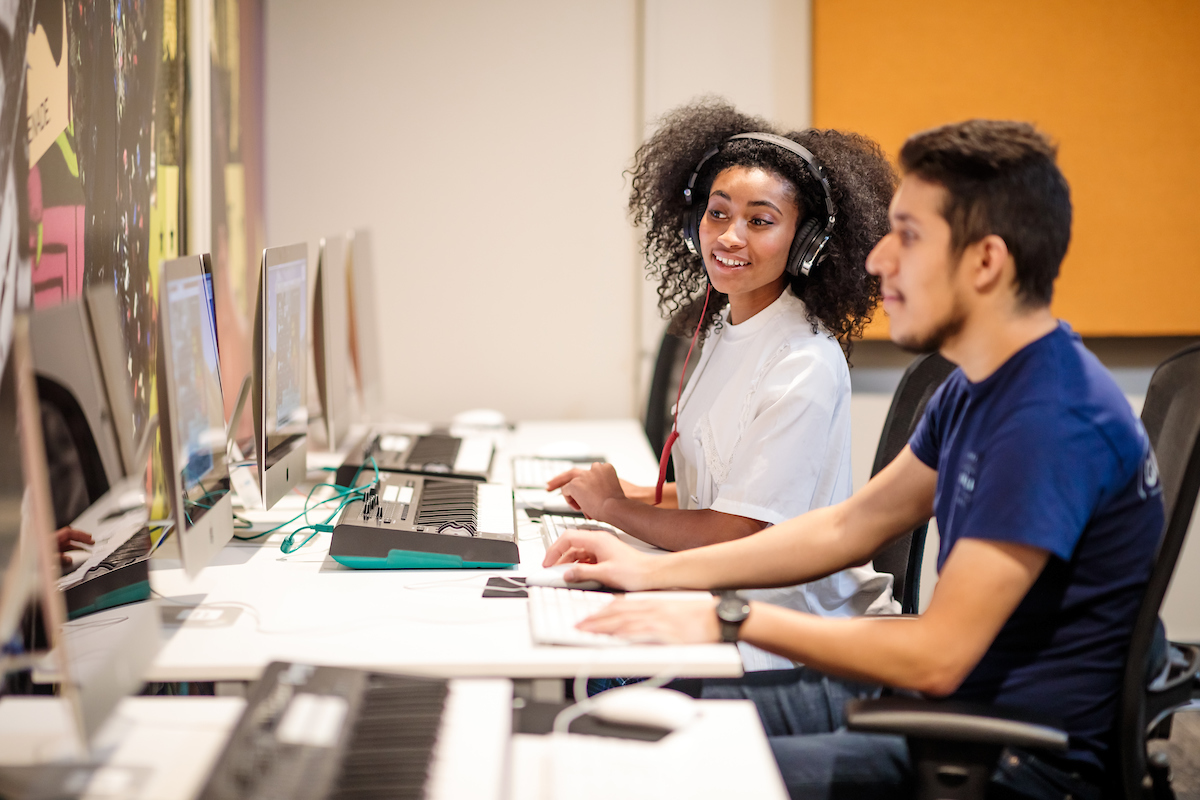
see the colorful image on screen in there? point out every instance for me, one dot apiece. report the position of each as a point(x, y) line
point(287, 291)
point(199, 413)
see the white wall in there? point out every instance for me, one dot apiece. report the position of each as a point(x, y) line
point(483, 143)
point(772, 78)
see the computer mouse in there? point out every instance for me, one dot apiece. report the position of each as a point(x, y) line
point(637, 705)
point(553, 576)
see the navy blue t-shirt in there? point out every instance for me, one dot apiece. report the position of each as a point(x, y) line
point(1046, 452)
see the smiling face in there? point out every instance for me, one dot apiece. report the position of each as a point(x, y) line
point(923, 289)
point(745, 237)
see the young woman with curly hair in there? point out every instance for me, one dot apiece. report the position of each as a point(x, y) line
point(764, 423)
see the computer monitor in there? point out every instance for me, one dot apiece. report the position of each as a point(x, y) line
point(81, 362)
point(364, 329)
point(117, 362)
point(95, 670)
point(189, 402)
point(18, 565)
point(331, 345)
point(280, 371)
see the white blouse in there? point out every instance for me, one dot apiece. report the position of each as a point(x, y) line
point(764, 433)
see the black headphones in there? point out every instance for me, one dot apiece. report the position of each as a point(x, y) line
point(811, 236)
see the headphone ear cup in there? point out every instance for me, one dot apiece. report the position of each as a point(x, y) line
point(691, 230)
point(802, 243)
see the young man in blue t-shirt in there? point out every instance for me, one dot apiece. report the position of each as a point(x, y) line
point(1041, 478)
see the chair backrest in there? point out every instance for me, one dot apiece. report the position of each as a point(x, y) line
point(902, 558)
point(664, 386)
point(77, 475)
point(1171, 416)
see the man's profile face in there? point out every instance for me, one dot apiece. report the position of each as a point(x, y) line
point(918, 275)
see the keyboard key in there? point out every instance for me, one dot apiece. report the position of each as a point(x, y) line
point(554, 612)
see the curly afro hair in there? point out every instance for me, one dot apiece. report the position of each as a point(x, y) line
point(839, 293)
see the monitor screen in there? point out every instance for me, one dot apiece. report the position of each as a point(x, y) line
point(190, 397)
point(198, 415)
point(17, 572)
point(95, 665)
point(281, 371)
point(364, 332)
point(331, 348)
point(287, 409)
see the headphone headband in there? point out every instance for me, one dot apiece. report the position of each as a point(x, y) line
point(811, 236)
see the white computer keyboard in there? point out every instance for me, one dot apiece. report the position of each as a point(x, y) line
point(553, 614)
point(553, 526)
point(534, 472)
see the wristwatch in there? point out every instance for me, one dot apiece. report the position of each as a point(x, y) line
point(732, 611)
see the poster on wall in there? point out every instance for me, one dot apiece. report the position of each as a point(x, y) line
point(14, 258)
point(104, 127)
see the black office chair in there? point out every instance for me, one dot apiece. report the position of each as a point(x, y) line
point(902, 557)
point(664, 387)
point(954, 748)
point(77, 476)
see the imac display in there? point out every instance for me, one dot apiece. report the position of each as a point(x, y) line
point(71, 380)
point(114, 357)
point(18, 570)
point(95, 668)
point(190, 400)
point(364, 331)
point(280, 371)
point(331, 346)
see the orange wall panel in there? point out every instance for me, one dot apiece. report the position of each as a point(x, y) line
point(1115, 84)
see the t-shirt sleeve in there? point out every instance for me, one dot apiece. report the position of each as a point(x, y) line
point(788, 456)
point(926, 439)
point(1036, 482)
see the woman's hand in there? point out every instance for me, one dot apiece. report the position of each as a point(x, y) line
point(69, 538)
point(591, 489)
point(665, 621)
point(600, 556)
point(643, 494)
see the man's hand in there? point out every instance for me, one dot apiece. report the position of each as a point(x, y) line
point(599, 556)
point(69, 539)
point(665, 621)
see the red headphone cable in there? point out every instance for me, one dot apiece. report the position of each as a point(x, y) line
point(666, 453)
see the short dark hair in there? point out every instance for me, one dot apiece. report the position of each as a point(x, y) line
point(1000, 178)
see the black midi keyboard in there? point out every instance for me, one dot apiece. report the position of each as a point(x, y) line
point(310, 733)
point(418, 522)
point(439, 454)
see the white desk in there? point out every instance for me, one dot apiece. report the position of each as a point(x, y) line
point(156, 748)
point(722, 754)
point(258, 605)
point(159, 748)
point(151, 747)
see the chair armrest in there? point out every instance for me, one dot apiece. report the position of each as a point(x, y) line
point(951, 720)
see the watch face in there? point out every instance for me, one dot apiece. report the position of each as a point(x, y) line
point(732, 608)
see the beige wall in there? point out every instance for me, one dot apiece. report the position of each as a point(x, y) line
point(771, 78)
point(484, 144)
